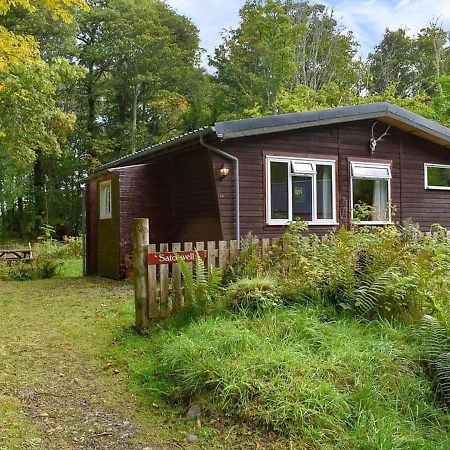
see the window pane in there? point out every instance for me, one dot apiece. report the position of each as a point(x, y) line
point(438, 176)
point(279, 190)
point(324, 192)
point(369, 171)
point(302, 167)
point(302, 198)
point(370, 200)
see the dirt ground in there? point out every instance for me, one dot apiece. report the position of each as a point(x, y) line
point(55, 391)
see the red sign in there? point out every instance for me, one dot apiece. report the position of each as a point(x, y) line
point(154, 259)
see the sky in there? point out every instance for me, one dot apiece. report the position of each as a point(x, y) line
point(366, 18)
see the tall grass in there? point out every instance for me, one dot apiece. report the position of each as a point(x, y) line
point(325, 383)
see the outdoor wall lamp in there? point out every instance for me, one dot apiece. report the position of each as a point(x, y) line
point(223, 172)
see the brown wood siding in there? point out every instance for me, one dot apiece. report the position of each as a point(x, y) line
point(91, 228)
point(108, 233)
point(137, 199)
point(425, 206)
point(226, 195)
point(407, 154)
point(178, 195)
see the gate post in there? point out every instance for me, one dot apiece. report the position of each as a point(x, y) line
point(140, 239)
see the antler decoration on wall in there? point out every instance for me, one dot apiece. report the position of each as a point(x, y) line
point(374, 141)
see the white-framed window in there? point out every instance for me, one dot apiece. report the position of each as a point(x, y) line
point(370, 188)
point(437, 176)
point(300, 188)
point(105, 199)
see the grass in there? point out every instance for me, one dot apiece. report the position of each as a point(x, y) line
point(325, 384)
point(72, 372)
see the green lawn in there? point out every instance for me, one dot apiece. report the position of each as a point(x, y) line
point(66, 380)
point(74, 374)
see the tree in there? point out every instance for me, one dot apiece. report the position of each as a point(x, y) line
point(257, 59)
point(411, 64)
point(139, 55)
point(32, 122)
point(280, 46)
point(325, 51)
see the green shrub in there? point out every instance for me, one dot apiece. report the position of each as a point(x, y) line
point(436, 352)
point(18, 271)
point(248, 263)
point(253, 295)
point(73, 246)
point(47, 266)
point(371, 272)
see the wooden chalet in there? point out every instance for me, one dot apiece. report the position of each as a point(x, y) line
point(371, 164)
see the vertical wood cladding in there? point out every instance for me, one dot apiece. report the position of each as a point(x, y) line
point(346, 142)
point(108, 252)
point(177, 193)
point(91, 227)
point(182, 194)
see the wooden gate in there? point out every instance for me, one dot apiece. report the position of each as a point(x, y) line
point(159, 290)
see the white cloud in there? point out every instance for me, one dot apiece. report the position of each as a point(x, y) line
point(211, 17)
point(368, 19)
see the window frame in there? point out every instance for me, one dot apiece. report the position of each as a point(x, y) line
point(104, 213)
point(389, 178)
point(289, 160)
point(430, 187)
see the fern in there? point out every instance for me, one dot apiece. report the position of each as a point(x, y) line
point(199, 288)
point(436, 348)
point(369, 292)
point(443, 376)
point(189, 285)
point(435, 338)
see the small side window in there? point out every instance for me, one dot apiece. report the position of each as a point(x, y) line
point(437, 177)
point(105, 199)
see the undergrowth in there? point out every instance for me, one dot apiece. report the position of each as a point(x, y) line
point(306, 374)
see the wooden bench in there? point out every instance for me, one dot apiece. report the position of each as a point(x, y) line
point(16, 254)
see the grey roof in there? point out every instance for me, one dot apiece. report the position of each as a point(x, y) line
point(383, 111)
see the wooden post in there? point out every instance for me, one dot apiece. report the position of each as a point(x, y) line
point(140, 239)
point(176, 280)
point(153, 310)
point(164, 284)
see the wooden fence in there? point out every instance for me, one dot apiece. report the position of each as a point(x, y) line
point(159, 287)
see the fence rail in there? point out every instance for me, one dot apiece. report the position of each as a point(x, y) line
point(159, 288)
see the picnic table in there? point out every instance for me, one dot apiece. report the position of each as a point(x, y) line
point(16, 254)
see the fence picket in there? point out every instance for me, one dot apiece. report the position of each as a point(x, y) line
point(265, 246)
point(234, 251)
point(164, 283)
point(176, 281)
point(151, 281)
point(211, 255)
point(223, 255)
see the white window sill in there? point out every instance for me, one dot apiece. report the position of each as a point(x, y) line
point(105, 217)
point(437, 188)
point(371, 222)
point(287, 222)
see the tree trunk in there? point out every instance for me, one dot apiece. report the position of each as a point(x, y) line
point(21, 219)
point(134, 118)
point(91, 99)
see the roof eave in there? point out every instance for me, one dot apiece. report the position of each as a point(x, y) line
point(143, 155)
